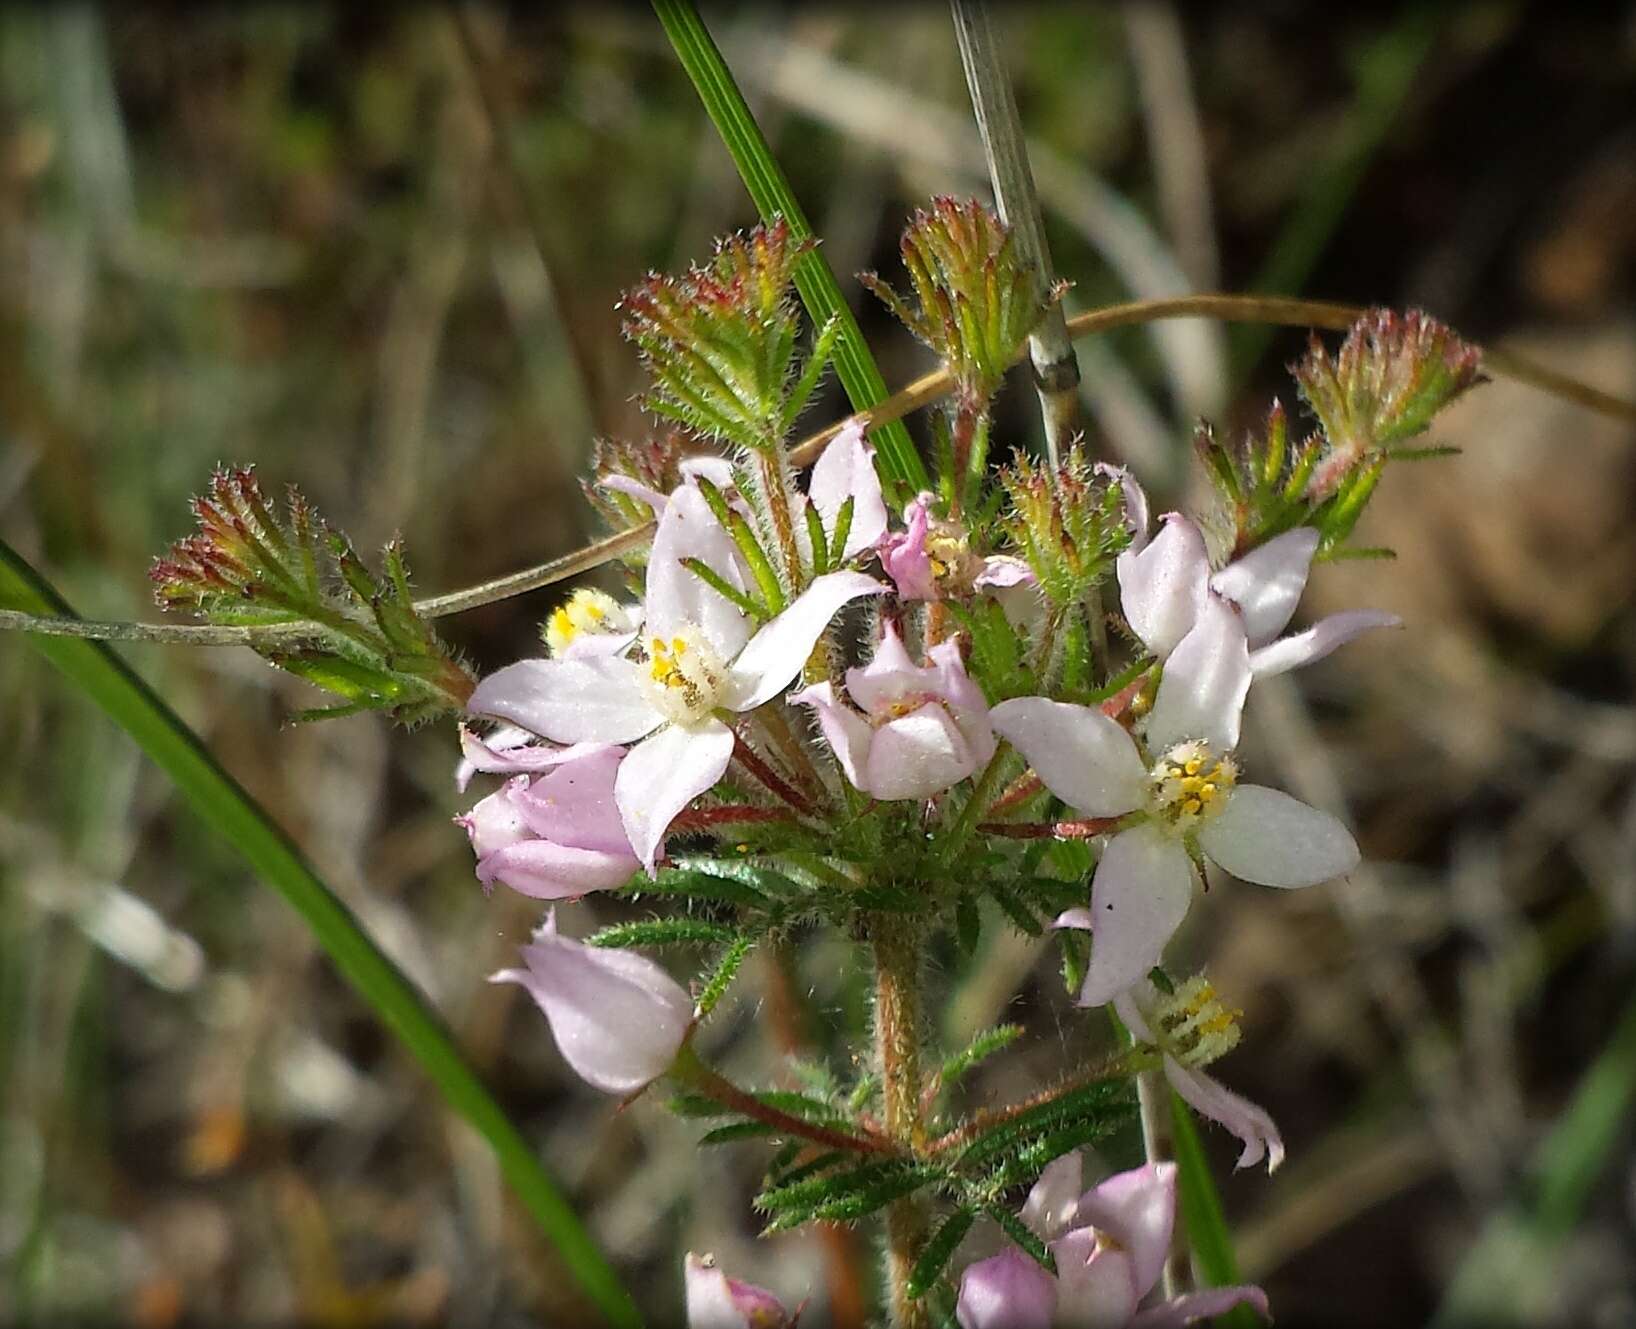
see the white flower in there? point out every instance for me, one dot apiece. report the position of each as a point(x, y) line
point(1164, 584)
point(704, 660)
point(1182, 791)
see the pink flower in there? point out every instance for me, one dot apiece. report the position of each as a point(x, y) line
point(845, 470)
point(618, 1018)
point(903, 553)
point(552, 831)
point(1191, 1029)
point(1164, 584)
point(715, 1301)
point(1109, 1244)
point(704, 657)
point(1175, 791)
point(922, 730)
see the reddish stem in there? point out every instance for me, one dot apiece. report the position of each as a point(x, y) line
point(747, 757)
point(715, 1086)
point(730, 814)
point(1024, 788)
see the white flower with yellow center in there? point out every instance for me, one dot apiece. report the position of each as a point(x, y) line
point(1188, 799)
point(703, 659)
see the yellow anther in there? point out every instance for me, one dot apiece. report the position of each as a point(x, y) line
point(586, 610)
point(1193, 766)
point(678, 646)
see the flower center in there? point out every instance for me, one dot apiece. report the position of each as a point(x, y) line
point(684, 677)
point(1194, 1025)
point(585, 612)
point(1189, 785)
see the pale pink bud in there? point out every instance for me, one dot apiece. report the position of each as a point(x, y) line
point(1006, 1291)
point(903, 554)
point(618, 1018)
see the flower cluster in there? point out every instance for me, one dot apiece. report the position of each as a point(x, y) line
point(809, 713)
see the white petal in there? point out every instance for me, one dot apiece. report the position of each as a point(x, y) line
point(1265, 836)
point(889, 676)
point(623, 484)
point(1051, 1205)
point(677, 598)
point(1205, 681)
point(847, 733)
point(1266, 584)
point(1207, 1096)
point(663, 774)
point(1324, 636)
point(618, 1018)
point(918, 755)
point(1079, 918)
point(1205, 1304)
point(774, 656)
point(596, 700)
point(1083, 757)
point(1139, 896)
point(717, 470)
point(847, 470)
point(1162, 586)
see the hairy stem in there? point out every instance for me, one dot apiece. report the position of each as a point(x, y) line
point(775, 783)
point(896, 941)
point(695, 1075)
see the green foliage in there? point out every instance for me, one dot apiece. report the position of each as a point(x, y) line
point(844, 1196)
point(662, 932)
point(719, 342)
point(979, 1050)
point(938, 1250)
point(976, 301)
point(1391, 376)
point(359, 636)
point(1069, 524)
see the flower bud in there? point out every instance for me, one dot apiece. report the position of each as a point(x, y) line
point(618, 1018)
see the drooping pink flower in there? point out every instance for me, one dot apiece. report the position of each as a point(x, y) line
point(1109, 1244)
point(715, 1301)
point(618, 1018)
point(1164, 584)
point(922, 728)
point(704, 657)
point(1187, 1028)
point(552, 831)
point(1178, 789)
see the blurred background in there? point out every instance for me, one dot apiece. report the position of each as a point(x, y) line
point(376, 250)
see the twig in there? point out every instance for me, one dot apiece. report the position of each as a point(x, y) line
point(986, 1120)
point(717, 1087)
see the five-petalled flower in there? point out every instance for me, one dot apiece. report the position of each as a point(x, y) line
point(1176, 791)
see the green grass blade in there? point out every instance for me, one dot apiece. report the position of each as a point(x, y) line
point(1202, 1217)
point(899, 463)
point(218, 799)
point(1510, 1274)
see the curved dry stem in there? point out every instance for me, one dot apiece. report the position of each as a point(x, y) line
point(921, 392)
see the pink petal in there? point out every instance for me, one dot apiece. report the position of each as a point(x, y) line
point(1001, 572)
point(623, 484)
point(715, 1301)
point(1007, 1291)
point(1054, 1200)
point(847, 470)
point(618, 1018)
point(1138, 1210)
point(512, 750)
point(966, 701)
point(776, 654)
point(663, 774)
point(1083, 757)
point(918, 755)
point(1265, 836)
point(1163, 585)
point(544, 870)
point(1205, 681)
point(1210, 1098)
point(1141, 892)
point(494, 822)
point(1096, 1285)
point(679, 601)
point(598, 700)
point(1266, 584)
point(1206, 1304)
point(903, 554)
point(717, 470)
point(574, 804)
point(889, 676)
point(847, 733)
point(1324, 636)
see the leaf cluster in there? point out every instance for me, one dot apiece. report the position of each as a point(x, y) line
point(365, 643)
